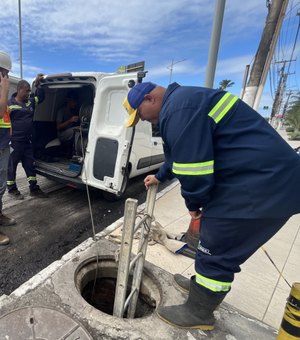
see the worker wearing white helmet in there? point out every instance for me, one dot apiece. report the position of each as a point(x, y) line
point(5, 63)
point(5, 126)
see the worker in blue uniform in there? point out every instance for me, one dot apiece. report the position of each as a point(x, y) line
point(5, 67)
point(21, 108)
point(233, 166)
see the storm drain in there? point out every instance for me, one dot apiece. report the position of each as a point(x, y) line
point(36, 323)
point(96, 282)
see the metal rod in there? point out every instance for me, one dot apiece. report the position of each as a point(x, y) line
point(138, 269)
point(143, 220)
point(126, 246)
point(133, 290)
point(132, 263)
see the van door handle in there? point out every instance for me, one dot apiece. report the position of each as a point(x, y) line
point(155, 143)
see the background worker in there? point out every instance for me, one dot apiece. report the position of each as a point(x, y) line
point(21, 108)
point(67, 121)
point(5, 67)
point(231, 164)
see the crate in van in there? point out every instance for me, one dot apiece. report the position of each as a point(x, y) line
point(103, 153)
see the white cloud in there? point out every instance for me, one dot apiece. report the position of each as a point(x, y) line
point(233, 66)
point(111, 24)
point(179, 67)
point(104, 33)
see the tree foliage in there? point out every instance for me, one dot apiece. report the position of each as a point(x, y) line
point(292, 116)
point(293, 112)
point(224, 84)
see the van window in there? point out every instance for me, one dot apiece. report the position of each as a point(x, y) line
point(116, 113)
point(155, 130)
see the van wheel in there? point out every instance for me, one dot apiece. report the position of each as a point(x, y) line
point(116, 197)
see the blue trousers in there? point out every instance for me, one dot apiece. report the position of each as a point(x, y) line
point(225, 244)
point(4, 157)
point(22, 152)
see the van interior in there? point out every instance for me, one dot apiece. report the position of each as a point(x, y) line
point(52, 153)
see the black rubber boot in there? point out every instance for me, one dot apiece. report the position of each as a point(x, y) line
point(181, 283)
point(197, 312)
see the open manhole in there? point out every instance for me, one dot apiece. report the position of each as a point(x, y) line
point(96, 282)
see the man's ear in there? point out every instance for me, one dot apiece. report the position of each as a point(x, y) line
point(149, 97)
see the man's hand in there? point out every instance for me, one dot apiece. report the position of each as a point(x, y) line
point(150, 180)
point(38, 79)
point(4, 89)
point(4, 82)
point(195, 214)
point(74, 119)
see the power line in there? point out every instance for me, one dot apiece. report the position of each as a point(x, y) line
point(296, 38)
point(282, 82)
point(170, 67)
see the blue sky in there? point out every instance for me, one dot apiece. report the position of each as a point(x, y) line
point(101, 35)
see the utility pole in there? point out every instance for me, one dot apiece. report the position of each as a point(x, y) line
point(286, 105)
point(264, 54)
point(214, 43)
point(280, 89)
point(171, 68)
point(20, 40)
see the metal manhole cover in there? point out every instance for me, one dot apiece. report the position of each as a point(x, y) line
point(40, 323)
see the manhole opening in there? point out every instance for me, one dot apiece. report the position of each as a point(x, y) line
point(96, 283)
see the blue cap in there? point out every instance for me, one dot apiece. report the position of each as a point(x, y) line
point(134, 99)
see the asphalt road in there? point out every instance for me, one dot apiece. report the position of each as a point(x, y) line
point(48, 228)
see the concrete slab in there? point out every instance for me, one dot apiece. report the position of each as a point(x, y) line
point(258, 290)
point(56, 288)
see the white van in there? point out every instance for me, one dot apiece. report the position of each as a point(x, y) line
point(105, 154)
point(13, 85)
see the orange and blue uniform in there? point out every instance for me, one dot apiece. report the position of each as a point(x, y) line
point(5, 127)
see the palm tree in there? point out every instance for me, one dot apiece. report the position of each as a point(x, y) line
point(224, 84)
point(292, 116)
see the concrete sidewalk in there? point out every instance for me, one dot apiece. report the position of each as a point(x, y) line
point(259, 289)
point(258, 293)
point(51, 305)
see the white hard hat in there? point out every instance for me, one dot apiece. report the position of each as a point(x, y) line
point(5, 61)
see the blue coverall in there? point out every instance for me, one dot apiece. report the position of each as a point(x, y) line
point(21, 116)
point(231, 163)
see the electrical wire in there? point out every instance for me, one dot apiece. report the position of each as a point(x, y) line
point(285, 39)
point(294, 46)
point(286, 80)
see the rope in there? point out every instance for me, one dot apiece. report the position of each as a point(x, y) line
point(280, 272)
point(91, 215)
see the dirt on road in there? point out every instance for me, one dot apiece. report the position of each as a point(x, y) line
point(49, 228)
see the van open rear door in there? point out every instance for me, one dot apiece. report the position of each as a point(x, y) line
point(109, 143)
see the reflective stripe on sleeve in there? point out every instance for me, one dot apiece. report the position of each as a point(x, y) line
point(213, 285)
point(12, 107)
point(193, 169)
point(222, 107)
